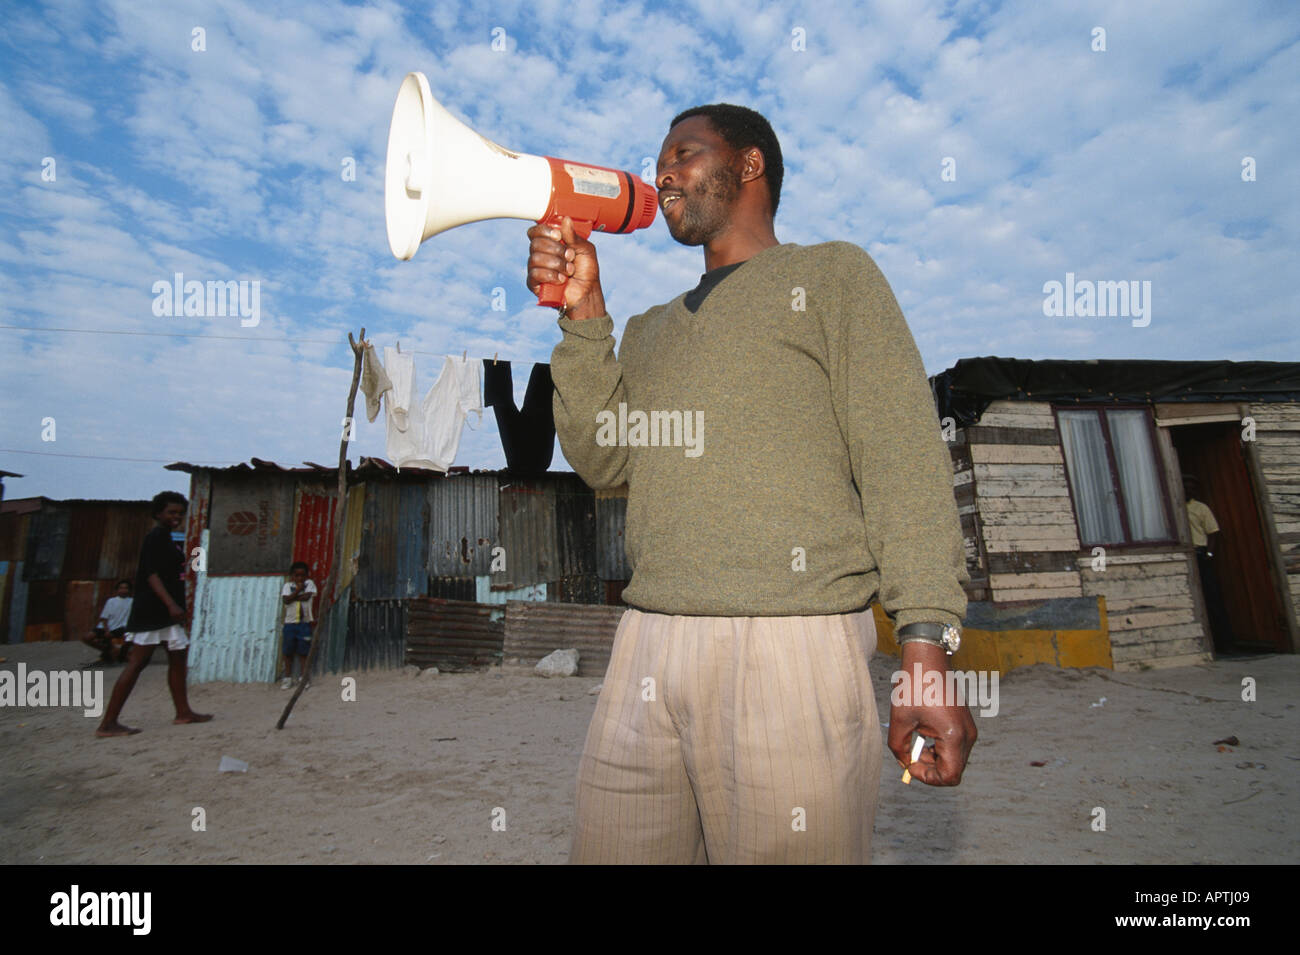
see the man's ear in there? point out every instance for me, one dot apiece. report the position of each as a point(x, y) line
point(752, 165)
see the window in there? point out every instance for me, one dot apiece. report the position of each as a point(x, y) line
point(1110, 459)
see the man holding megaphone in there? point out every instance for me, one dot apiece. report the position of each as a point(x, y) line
point(737, 722)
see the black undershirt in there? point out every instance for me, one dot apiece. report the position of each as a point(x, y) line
point(708, 282)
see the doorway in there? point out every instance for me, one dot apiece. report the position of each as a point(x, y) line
point(1214, 454)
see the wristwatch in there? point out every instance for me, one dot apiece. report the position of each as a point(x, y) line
point(939, 634)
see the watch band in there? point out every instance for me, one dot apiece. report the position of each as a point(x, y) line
point(944, 637)
point(914, 638)
point(933, 631)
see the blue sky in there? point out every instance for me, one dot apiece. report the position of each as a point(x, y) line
point(225, 164)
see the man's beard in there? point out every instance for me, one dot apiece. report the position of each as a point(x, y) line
point(707, 209)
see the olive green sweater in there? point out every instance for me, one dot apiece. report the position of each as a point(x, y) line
point(780, 446)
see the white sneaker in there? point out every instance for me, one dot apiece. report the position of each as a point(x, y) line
point(286, 683)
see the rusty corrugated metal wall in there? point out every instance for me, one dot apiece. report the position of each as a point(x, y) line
point(376, 635)
point(79, 550)
point(87, 523)
point(353, 521)
point(251, 524)
point(394, 546)
point(611, 519)
point(462, 524)
point(575, 528)
point(82, 548)
point(47, 540)
point(534, 630)
point(453, 588)
point(330, 657)
point(235, 635)
point(526, 521)
point(576, 543)
point(7, 569)
point(412, 533)
point(81, 602)
point(452, 634)
point(313, 531)
point(377, 560)
point(584, 589)
point(125, 527)
point(44, 610)
point(17, 616)
point(14, 526)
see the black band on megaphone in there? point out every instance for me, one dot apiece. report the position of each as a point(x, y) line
point(631, 202)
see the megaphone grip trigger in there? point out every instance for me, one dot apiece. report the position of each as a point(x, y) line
point(550, 294)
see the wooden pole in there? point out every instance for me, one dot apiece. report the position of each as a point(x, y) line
point(329, 602)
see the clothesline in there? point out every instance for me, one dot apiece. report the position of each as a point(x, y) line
point(426, 432)
point(464, 355)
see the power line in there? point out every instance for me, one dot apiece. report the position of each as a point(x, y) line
point(99, 457)
point(195, 334)
point(112, 331)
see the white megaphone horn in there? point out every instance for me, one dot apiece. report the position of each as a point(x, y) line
point(441, 174)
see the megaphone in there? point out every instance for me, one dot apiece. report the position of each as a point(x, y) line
point(441, 174)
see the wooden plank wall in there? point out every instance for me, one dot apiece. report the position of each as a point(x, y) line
point(1277, 438)
point(963, 488)
point(1023, 515)
point(1022, 503)
point(1150, 606)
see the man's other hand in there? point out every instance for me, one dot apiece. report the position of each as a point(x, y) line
point(951, 727)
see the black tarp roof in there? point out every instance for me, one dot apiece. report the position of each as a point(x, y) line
point(966, 389)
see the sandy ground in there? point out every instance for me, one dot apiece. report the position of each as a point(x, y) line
point(412, 771)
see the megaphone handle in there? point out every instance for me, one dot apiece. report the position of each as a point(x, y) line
point(551, 294)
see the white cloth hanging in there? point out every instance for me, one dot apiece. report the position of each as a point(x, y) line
point(374, 381)
point(403, 443)
point(456, 394)
point(428, 435)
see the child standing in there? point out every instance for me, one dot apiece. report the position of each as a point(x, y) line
point(297, 596)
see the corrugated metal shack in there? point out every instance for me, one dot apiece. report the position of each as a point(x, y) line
point(1068, 482)
point(431, 560)
point(60, 560)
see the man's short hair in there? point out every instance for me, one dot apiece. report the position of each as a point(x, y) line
point(741, 128)
point(302, 564)
point(128, 583)
point(163, 498)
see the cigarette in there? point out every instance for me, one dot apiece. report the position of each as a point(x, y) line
point(917, 746)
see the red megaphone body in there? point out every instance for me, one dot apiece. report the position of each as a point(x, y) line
point(441, 174)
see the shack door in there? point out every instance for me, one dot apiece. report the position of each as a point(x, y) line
point(1214, 453)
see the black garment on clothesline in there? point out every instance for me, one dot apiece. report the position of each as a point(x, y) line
point(528, 435)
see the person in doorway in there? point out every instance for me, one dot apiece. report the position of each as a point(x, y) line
point(1205, 538)
point(157, 616)
point(297, 597)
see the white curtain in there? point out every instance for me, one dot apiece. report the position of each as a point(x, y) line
point(1094, 493)
point(1138, 476)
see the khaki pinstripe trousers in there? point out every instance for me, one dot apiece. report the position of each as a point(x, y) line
point(732, 740)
